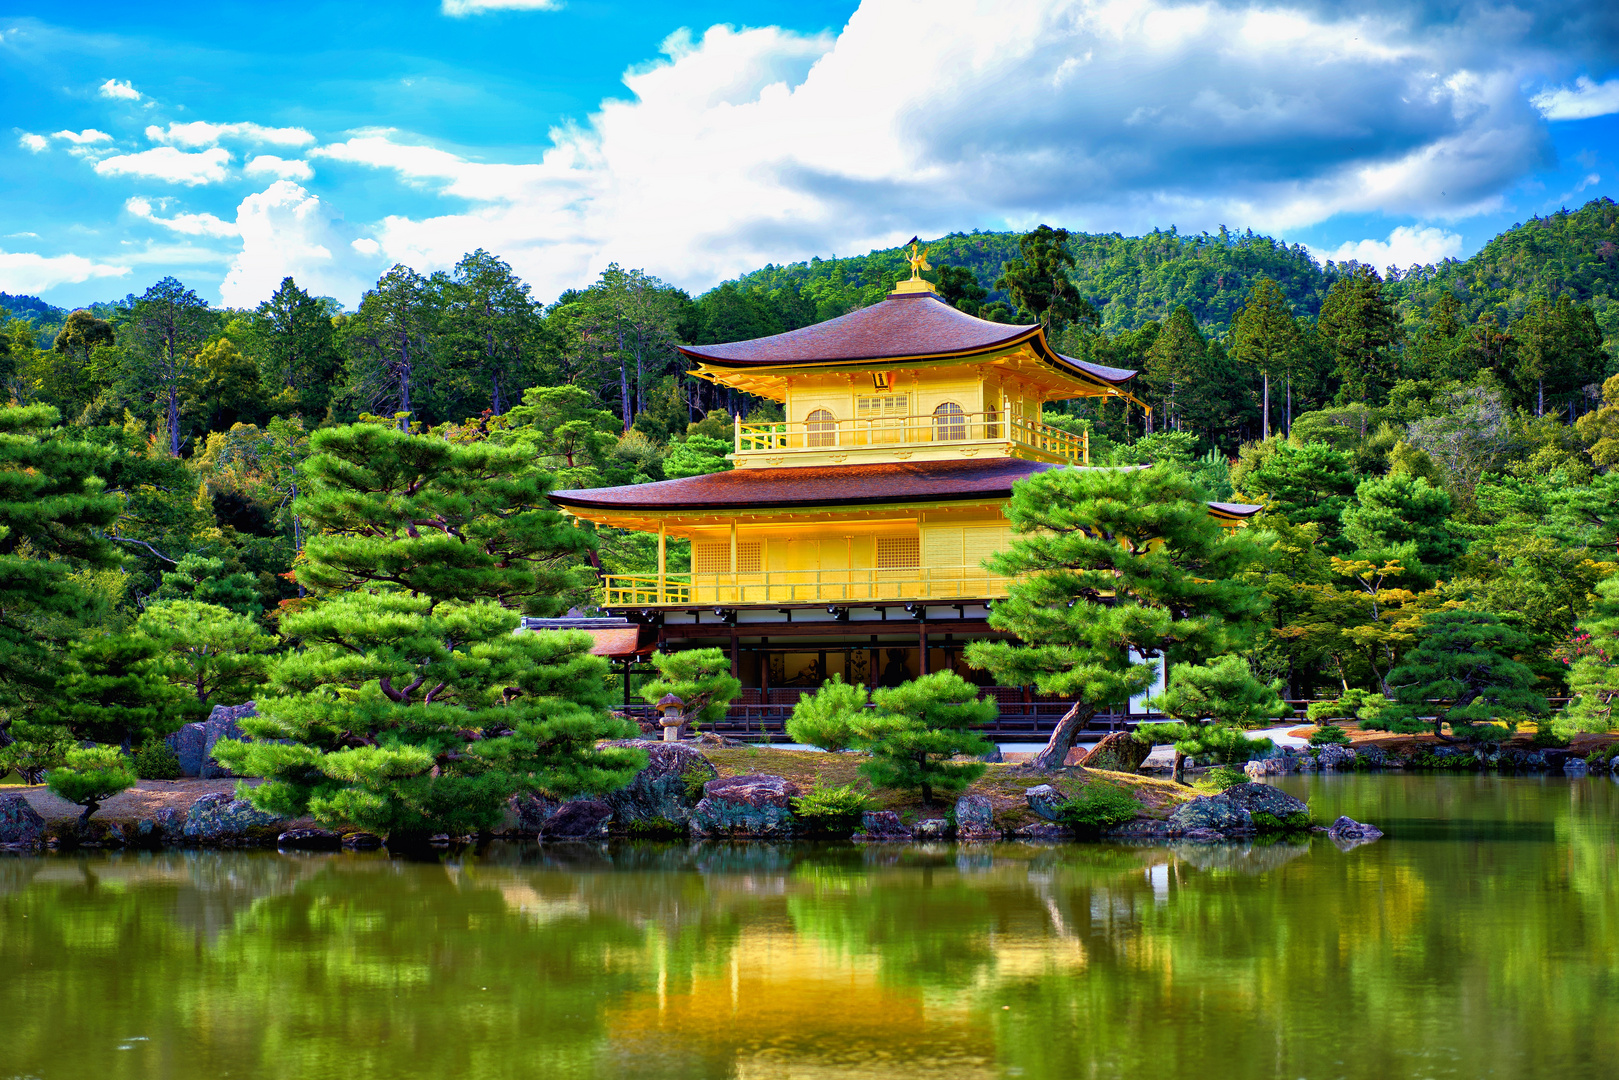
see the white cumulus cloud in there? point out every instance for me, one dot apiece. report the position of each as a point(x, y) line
point(270, 165)
point(1581, 101)
point(26, 272)
point(184, 224)
point(32, 143)
point(201, 133)
point(287, 231)
point(740, 147)
point(82, 138)
point(120, 90)
point(458, 8)
point(167, 163)
point(1407, 246)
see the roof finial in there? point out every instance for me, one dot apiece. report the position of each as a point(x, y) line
point(918, 258)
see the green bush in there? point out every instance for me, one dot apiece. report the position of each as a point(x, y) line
point(1100, 806)
point(156, 760)
point(1329, 735)
point(1270, 823)
point(657, 828)
point(829, 717)
point(831, 810)
point(694, 779)
point(1547, 739)
point(1222, 777)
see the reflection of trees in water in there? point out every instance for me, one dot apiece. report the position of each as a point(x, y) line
point(701, 960)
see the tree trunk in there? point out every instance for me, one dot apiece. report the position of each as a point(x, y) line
point(1055, 752)
point(623, 377)
point(1179, 775)
point(1264, 423)
point(84, 819)
point(1540, 397)
point(1290, 405)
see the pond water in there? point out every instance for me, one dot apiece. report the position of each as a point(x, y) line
point(1480, 939)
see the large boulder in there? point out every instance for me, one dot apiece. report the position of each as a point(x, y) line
point(221, 724)
point(20, 824)
point(659, 791)
point(1046, 801)
point(308, 840)
point(1211, 815)
point(932, 829)
point(882, 826)
point(753, 807)
point(530, 812)
point(1119, 751)
point(190, 745)
point(1277, 806)
point(975, 819)
point(1336, 757)
point(226, 820)
point(578, 820)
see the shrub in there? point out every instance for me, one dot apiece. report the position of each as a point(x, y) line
point(1329, 735)
point(1353, 705)
point(831, 809)
point(1100, 806)
point(1222, 777)
point(156, 760)
point(91, 776)
point(1549, 739)
point(828, 717)
point(657, 828)
point(1270, 823)
point(919, 728)
point(694, 779)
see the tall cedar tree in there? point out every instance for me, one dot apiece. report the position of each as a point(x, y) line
point(488, 326)
point(1461, 673)
point(296, 344)
point(1360, 327)
point(435, 519)
point(1176, 360)
point(1558, 352)
point(919, 728)
point(1110, 561)
point(1265, 338)
point(412, 707)
point(52, 511)
point(166, 327)
point(389, 342)
point(1037, 281)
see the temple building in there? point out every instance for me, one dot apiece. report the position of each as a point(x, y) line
point(850, 537)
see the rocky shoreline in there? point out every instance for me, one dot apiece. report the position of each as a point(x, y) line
point(1423, 758)
point(679, 795)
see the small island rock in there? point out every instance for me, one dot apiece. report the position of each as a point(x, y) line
point(756, 807)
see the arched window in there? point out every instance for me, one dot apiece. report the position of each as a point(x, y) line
point(949, 423)
point(821, 429)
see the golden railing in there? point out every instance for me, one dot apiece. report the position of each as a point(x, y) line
point(804, 587)
point(832, 434)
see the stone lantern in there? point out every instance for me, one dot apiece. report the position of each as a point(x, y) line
point(673, 717)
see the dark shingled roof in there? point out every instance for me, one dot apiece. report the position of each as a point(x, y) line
point(831, 485)
point(904, 325)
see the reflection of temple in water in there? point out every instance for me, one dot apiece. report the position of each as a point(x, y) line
point(850, 538)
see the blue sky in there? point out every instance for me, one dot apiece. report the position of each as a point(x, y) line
point(230, 146)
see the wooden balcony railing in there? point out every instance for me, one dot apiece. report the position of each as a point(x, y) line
point(933, 428)
point(803, 587)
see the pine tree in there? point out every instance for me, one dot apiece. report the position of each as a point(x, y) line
point(1360, 327)
point(296, 346)
point(700, 678)
point(1110, 567)
point(435, 519)
point(1175, 362)
point(1215, 702)
point(205, 580)
point(1593, 654)
point(411, 706)
point(91, 776)
point(114, 690)
point(918, 727)
point(53, 508)
point(1395, 514)
point(207, 650)
point(829, 718)
point(1461, 674)
point(1265, 339)
point(166, 327)
point(389, 343)
point(1038, 283)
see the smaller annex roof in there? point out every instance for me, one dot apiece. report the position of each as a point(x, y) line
point(905, 326)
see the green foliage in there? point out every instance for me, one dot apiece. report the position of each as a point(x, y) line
point(1108, 562)
point(1352, 704)
point(91, 776)
point(700, 678)
point(918, 727)
point(1392, 512)
point(1099, 807)
point(1594, 656)
point(156, 760)
point(1548, 737)
point(693, 780)
point(114, 690)
point(204, 580)
point(1213, 742)
point(1036, 280)
point(1308, 484)
point(831, 810)
point(696, 455)
point(1359, 327)
point(1223, 691)
point(208, 650)
point(1329, 735)
point(1221, 777)
point(1461, 673)
point(829, 718)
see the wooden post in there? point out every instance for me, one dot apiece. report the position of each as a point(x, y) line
point(663, 556)
point(922, 668)
point(734, 662)
point(736, 597)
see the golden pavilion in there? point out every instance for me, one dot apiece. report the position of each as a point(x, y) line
point(850, 537)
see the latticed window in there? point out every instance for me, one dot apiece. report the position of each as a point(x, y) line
point(714, 557)
point(821, 429)
point(949, 423)
point(898, 553)
point(883, 415)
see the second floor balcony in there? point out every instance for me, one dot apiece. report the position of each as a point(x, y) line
point(947, 432)
point(802, 587)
